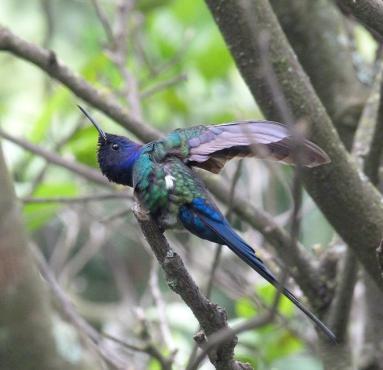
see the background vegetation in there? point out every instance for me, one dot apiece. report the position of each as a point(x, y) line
point(166, 63)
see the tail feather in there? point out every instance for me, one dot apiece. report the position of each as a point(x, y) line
point(247, 254)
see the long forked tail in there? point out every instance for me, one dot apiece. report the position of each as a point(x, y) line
point(247, 254)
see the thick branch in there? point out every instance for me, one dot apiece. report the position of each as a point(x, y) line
point(358, 214)
point(339, 311)
point(211, 317)
point(26, 340)
point(370, 136)
point(316, 32)
point(368, 12)
point(49, 63)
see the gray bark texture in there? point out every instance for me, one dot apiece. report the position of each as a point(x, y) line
point(372, 352)
point(315, 30)
point(367, 12)
point(348, 200)
point(26, 340)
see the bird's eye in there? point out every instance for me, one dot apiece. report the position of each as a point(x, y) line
point(115, 146)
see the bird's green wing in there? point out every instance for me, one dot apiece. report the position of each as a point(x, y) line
point(210, 147)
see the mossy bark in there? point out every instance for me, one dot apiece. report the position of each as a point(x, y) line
point(348, 200)
point(315, 30)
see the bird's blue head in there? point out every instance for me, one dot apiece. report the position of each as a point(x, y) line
point(116, 155)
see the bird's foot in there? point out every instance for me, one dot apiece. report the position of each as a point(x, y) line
point(141, 213)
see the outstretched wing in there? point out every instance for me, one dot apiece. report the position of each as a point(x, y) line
point(210, 147)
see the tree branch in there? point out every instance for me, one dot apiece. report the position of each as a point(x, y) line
point(225, 334)
point(49, 63)
point(369, 132)
point(79, 199)
point(316, 32)
point(211, 317)
point(368, 12)
point(339, 312)
point(80, 169)
point(114, 359)
point(358, 204)
point(374, 156)
point(27, 340)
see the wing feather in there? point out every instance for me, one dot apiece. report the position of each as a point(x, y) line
point(212, 146)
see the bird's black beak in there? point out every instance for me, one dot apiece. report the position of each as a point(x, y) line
point(86, 114)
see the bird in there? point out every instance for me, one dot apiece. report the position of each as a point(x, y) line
point(162, 174)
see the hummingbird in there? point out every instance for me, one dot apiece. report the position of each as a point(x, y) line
point(165, 183)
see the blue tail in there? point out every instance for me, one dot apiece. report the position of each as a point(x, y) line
point(208, 223)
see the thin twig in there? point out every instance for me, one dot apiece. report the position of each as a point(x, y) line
point(104, 21)
point(160, 305)
point(115, 216)
point(339, 312)
point(66, 241)
point(96, 239)
point(148, 348)
point(374, 156)
point(227, 333)
point(49, 63)
point(163, 86)
point(118, 53)
point(79, 199)
point(80, 169)
point(56, 148)
point(113, 358)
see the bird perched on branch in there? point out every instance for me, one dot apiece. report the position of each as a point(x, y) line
point(161, 173)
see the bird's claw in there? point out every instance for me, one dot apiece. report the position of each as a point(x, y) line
point(141, 213)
